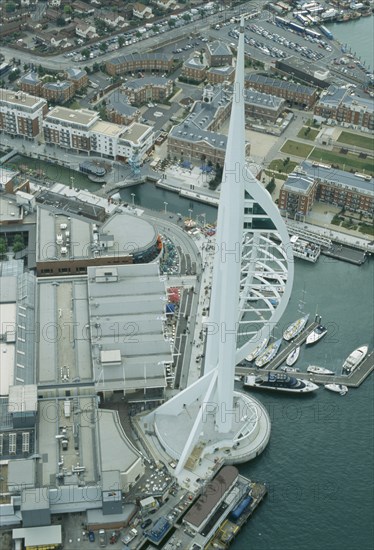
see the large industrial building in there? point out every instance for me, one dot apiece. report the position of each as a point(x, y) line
point(71, 343)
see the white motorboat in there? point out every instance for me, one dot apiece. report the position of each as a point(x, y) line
point(313, 369)
point(354, 359)
point(305, 250)
point(318, 333)
point(293, 356)
point(295, 328)
point(289, 369)
point(337, 388)
point(258, 350)
point(269, 354)
point(279, 381)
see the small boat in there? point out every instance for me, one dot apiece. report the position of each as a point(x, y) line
point(295, 328)
point(318, 333)
point(354, 359)
point(313, 369)
point(337, 388)
point(269, 354)
point(279, 381)
point(293, 356)
point(289, 369)
point(258, 350)
point(305, 250)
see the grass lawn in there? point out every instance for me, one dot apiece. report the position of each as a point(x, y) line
point(364, 142)
point(74, 104)
point(343, 162)
point(277, 176)
point(305, 134)
point(367, 229)
point(297, 149)
point(278, 166)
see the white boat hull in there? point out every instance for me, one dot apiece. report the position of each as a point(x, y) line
point(269, 354)
point(337, 388)
point(315, 336)
point(295, 328)
point(355, 359)
point(319, 370)
point(293, 357)
point(258, 350)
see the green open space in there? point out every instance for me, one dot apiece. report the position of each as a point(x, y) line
point(280, 165)
point(307, 132)
point(297, 149)
point(347, 162)
point(364, 142)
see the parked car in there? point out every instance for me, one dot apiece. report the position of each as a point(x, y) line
point(146, 523)
point(91, 536)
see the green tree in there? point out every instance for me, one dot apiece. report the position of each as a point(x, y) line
point(186, 17)
point(3, 247)
point(14, 75)
point(85, 53)
point(103, 46)
point(121, 41)
point(60, 21)
point(18, 243)
point(10, 7)
point(67, 9)
point(171, 23)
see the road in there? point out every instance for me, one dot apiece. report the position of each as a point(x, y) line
point(149, 44)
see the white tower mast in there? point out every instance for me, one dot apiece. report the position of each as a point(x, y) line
point(222, 326)
point(252, 281)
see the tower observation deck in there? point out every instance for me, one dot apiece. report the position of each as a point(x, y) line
point(251, 286)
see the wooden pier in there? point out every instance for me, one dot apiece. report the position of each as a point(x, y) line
point(284, 353)
point(353, 380)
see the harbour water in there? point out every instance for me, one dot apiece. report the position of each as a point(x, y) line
point(320, 459)
point(318, 464)
point(358, 35)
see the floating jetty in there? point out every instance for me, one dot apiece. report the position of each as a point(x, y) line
point(345, 254)
point(284, 353)
point(353, 380)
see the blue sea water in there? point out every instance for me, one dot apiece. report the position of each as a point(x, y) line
point(357, 35)
point(319, 462)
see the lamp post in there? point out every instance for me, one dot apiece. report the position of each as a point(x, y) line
point(133, 198)
point(190, 213)
point(165, 203)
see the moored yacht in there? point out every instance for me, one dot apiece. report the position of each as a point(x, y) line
point(269, 354)
point(318, 333)
point(295, 328)
point(258, 350)
point(337, 388)
point(293, 356)
point(313, 369)
point(304, 249)
point(279, 381)
point(354, 359)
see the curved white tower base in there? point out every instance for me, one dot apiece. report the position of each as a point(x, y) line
point(247, 438)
